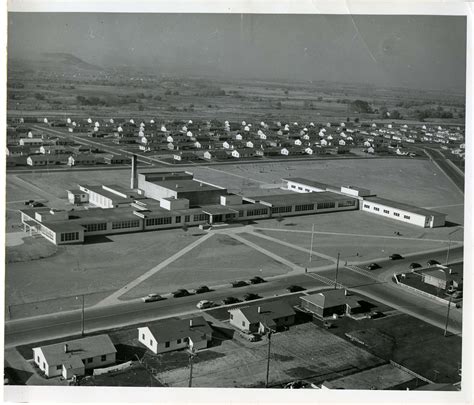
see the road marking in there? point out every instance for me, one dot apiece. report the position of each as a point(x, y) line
point(114, 296)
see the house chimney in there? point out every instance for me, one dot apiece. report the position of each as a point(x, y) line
point(66, 348)
point(259, 310)
point(191, 323)
point(133, 174)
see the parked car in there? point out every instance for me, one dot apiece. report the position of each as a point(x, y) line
point(256, 280)
point(396, 256)
point(36, 204)
point(203, 289)
point(327, 324)
point(251, 296)
point(230, 300)
point(457, 294)
point(295, 288)
point(240, 283)
point(432, 262)
point(152, 298)
point(296, 385)
point(415, 266)
point(203, 304)
point(29, 202)
point(373, 266)
point(181, 293)
point(376, 315)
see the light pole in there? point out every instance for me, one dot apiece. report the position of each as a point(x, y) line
point(82, 314)
point(337, 270)
point(311, 246)
point(268, 357)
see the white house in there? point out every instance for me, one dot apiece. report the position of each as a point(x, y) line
point(75, 356)
point(285, 152)
point(194, 333)
point(308, 151)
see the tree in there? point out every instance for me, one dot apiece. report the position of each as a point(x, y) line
point(360, 106)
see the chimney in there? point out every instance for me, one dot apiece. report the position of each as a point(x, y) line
point(259, 310)
point(191, 323)
point(66, 348)
point(133, 175)
point(200, 184)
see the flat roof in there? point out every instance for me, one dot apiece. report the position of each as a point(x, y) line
point(108, 194)
point(280, 200)
point(183, 186)
point(307, 182)
point(402, 206)
point(63, 226)
point(218, 209)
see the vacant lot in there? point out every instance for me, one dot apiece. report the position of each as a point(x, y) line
point(430, 354)
point(305, 351)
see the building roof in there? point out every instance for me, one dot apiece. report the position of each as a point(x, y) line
point(307, 182)
point(402, 206)
point(81, 349)
point(63, 226)
point(115, 198)
point(326, 299)
point(281, 200)
point(167, 331)
point(218, 209)
point(266, 313)
point(184, 186)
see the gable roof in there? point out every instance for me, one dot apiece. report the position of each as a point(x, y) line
point(180, 328)
point(265, 313)
point(78, 349)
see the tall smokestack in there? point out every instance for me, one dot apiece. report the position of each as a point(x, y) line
point(133, 175)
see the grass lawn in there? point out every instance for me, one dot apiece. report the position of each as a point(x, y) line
point(135, 376)
point(408, 341)
point(32, 249)
point(355, 248)
point(91, 268)
point(218, 260)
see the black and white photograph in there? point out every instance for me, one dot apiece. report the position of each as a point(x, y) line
point(236, 200)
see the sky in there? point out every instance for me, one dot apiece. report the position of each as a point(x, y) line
point(426, 52)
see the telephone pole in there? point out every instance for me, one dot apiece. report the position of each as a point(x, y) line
point(447, 315)
point(191, 358)
point(268, 357)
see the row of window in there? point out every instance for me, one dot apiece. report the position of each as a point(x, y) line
point(377, 209)
point(167, 344)
point(131, 223)
point(254, 213)
point(300, 188)
point(199, 217)
point(326, 205)
point(68, 236)
point(158, 221)
point(95, 227)
point(304, 207)
point(278, 210)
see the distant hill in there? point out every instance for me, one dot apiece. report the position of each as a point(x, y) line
point(54, 61)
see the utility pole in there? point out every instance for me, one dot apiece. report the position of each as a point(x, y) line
point(311, 247)
point(449, 245)
point(447, 315)
point(268, 357)
point(191, 357)
point(337, 270)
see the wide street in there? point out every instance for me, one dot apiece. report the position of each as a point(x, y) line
point(375, 284)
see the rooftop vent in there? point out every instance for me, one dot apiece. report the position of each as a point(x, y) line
point(66, 348)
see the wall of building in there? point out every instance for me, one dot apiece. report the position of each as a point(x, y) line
point(389, 212)
point(238, 320)
point(146, 338)
point(203, 197)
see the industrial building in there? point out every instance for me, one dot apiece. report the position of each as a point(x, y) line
point(160, 200)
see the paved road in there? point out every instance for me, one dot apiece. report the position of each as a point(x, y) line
point(39, 328)
point(437, 157)
point(132, 312)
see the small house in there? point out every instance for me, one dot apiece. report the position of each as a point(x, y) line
point(325, 303)
point(194, 333)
